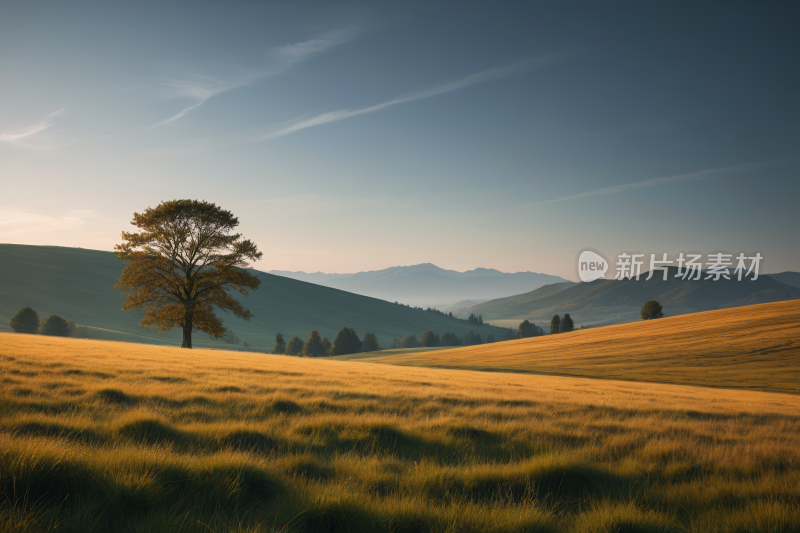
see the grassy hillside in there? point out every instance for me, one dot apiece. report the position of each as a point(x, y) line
point(755, 347)
point(78, 284)
point(613, 301)
point(112, 437)
point(788, 278)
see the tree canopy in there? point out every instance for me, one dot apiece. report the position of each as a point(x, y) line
point(55, 325)
point(280, 344)
point(26, 320)
point(183, 264)
point(567, 324)
point(295, 346)
point(428, 339)
point(313, 346)
point(370, 343)
point(651, 309)
point(527, 329)
point(555, 324)
point(346, 342)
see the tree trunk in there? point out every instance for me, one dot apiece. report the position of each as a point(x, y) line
point(187, 332)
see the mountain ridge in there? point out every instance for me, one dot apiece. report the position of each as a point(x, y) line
point(603, 301)
point(426, 284)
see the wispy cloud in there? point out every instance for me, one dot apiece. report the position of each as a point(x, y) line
point(17, 136)
point(200, 88)
point(472, 79)
point(694, 176)
point(295, 53)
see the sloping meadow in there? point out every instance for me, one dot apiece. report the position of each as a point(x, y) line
point(102, 436)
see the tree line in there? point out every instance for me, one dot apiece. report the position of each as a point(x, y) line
point(346, 342)
point(26, 320)
point(472, 319)
point(557, 325)
point(429, 339)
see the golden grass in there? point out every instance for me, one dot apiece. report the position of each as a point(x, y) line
point(755, 347)
point(104, 436)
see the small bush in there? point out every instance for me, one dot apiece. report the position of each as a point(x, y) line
point(651, 309)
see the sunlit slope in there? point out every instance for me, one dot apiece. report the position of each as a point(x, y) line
point(120, 438)
point(754, 347)
point(77, 284)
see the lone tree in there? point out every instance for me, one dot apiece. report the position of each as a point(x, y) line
point(651, 309)
point(555, 325)
point(26, 320)
point(280, 344)
point(567, 324)
point(370, 343)
point(183, 264)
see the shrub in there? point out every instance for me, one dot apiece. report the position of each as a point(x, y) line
point(26, 320)
point(651, 309)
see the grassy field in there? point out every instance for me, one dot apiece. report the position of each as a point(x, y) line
point(755, 347)
point(104, 436)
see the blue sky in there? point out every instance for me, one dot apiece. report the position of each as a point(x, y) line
point(359, 136)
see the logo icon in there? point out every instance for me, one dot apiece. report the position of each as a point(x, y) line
point(591, 266)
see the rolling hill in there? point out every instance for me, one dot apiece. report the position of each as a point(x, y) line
point(755, 347)
point(77, 284)
point(428, 285)
point(789, 278)
point(603, 301)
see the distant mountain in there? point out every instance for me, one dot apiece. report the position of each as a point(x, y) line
point(612, 301)
point(789, 278)
point(428, 285)
point(463, 304)
point(78, 284)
